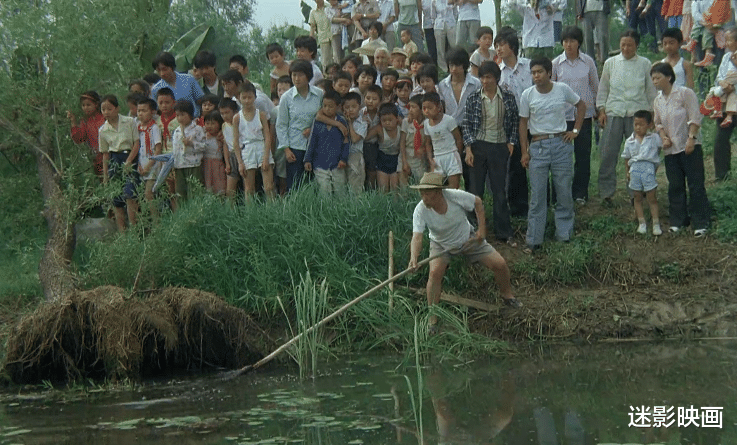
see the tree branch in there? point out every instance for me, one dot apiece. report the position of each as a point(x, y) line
point(28, 141)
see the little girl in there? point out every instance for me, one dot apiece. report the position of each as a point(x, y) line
point(208, 103)
point(388, 155)
point(213, 162)
point(86, 130)
point(252, 142)
point(119, 144)
point(188, 146)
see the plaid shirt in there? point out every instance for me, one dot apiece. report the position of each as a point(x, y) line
point(475, 117)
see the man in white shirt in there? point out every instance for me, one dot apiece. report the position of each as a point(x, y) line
point(538, 38)
point(443, 212)
point(550, 153)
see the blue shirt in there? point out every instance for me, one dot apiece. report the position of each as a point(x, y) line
point(186, 87)
point(297, 113)
point(327, 147)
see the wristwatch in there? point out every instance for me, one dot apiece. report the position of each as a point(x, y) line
point(575, 131)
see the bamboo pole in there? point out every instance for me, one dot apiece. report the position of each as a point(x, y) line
point(345, 307)
point(391, 270)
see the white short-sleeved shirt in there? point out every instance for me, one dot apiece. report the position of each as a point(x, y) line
point(469, 11)
point(647, 150)
point(441, 135)
point(451, 229)
point(145, 153)
point(547, 112)
point(360, 126)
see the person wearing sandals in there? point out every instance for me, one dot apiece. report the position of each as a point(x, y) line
point(678, 121)
point(443, 212)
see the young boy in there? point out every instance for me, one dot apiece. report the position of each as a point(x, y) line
point(427, 77)
point(280, 160)
point(416, 62)
point(342, 83)
point(275, 54)
point(207, 103)
point(327, 153)
point(388, 154)
point(411, 148)
point(306, 48)
point(484, 53)
point(399, 61)
point(443, 141)
point(320, 21)
point(356, 171)
point(188, 148)
point(641, 151)
point(240, 64)
point(167, 119)
point(232, 81)
point(132, 100)
point(150, 145)
point(228, 108)
point(388, 82)
point(370, 114)
point(332, 71)
point(204, 62)
point(252, 142)
point(672, 39)
point(409, 47)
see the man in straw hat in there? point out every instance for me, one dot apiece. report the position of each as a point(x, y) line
point(443, 212)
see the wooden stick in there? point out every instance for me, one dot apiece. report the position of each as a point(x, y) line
point(391, 270)
point(345, 307)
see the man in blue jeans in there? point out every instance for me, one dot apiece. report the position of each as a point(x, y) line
point(550, 152)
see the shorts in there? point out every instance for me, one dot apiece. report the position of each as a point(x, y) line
point(642, 176)
point(449, 164)
point(370, 153)
point(253, 156)
point(130, 181)
point(153, 174)
point(386, 163)
point(234, 173)
point(473, 252)
point(280, 160)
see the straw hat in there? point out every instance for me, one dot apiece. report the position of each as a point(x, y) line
point(429, 181)
point(369, 49)
point(399, 51)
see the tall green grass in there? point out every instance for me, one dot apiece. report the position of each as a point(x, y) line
point(723, 199)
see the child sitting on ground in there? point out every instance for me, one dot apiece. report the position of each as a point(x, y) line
point(641, 153)
point(443, 143)
point(327, 153)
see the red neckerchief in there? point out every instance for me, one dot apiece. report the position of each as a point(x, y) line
point(165, 120)
point(418, 137)
point(201, 121)
point(147, 136)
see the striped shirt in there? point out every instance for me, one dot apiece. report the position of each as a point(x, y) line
point(579, 74)
point(185, 87)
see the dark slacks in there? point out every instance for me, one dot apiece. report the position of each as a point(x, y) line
point(582, 155)
point(682, 169)
point(517, 192)
point(722, 150)
point(491, 161)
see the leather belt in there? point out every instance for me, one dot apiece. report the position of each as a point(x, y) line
point(540, 137)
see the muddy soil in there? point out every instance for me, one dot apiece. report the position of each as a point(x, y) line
point(646, 287)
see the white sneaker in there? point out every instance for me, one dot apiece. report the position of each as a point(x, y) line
point(674, 229)
point(698, 233)
point(642, 229)
point(656, 230)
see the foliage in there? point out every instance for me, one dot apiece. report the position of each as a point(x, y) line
point(723, 199)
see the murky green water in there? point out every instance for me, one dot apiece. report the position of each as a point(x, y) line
point(573, 396)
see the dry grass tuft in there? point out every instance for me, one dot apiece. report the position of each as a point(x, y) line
point(102, 333)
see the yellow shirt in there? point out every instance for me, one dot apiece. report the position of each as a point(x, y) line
point(321, 22)
point(121, 139)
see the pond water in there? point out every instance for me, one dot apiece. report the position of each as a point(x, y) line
point(547, 396)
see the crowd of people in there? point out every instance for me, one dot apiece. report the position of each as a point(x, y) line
point(382, 121)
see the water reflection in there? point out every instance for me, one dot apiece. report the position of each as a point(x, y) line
point(551, 396)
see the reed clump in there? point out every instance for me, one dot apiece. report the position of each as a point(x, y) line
point(105, 334)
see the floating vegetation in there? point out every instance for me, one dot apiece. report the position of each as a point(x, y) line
point(104, 333)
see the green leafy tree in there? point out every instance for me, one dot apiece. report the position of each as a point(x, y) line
point(52, 51)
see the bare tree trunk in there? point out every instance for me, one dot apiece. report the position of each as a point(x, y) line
point(54, 270)
point(498, 14)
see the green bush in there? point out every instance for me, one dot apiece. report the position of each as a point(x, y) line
point(723, 199)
